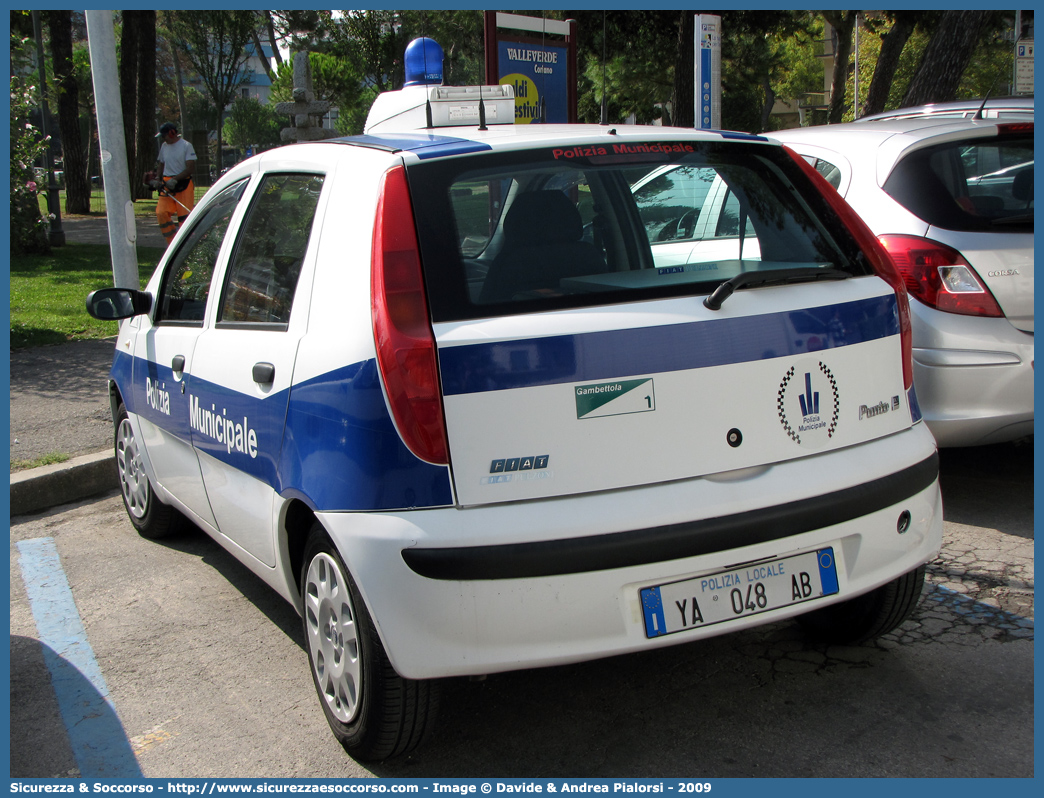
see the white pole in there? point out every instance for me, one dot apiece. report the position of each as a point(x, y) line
point(101, 42)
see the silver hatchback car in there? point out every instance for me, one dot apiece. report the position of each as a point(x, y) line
point(952, 202)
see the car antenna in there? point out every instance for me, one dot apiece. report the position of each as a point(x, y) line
point(427, 98)
point(986, 99)
point(482, 112)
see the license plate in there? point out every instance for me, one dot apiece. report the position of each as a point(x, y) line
point(739, 592)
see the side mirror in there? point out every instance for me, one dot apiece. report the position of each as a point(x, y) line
point(112, 304)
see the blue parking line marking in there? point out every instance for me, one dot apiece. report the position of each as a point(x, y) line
point(964, 606)
point(97, 738)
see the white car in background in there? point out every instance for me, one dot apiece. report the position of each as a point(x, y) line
point(952, 202)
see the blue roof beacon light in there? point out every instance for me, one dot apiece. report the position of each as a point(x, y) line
point(424, 103)
point(423, 63)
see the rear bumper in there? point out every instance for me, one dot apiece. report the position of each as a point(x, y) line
point(974, 377)
point(490, 602)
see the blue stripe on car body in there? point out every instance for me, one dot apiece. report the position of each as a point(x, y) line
point(474, 368)
point(339, 450)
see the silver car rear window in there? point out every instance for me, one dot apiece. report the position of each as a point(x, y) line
point(977, 185)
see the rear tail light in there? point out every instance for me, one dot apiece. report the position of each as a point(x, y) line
point(877, 256)
point(406, 353)
point(939, 276)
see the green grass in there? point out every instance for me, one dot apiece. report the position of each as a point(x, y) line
point(141, 207)
point(48, 293)
point(47, 459)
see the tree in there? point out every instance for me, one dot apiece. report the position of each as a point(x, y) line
point(216, 45)
point(374, 37)
point(684, 98)
point(843, 23)
point(265, 23)
point(461, 35)
point(947, 56)
point(145, 104)
point(993, 62)
point(634, 83)
point(638, 89)
point(300, 29)
point(138, 95)
point(800, 69)
point(758, 61)
point(892, 44)
point(85, 101)
point(74, 154)
point(336, 79)
point(249, 123)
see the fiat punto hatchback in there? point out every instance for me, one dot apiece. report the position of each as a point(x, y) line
point(448, 393)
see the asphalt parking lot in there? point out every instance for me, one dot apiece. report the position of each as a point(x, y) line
point(206, 675)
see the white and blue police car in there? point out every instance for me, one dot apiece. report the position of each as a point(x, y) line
point(446, 389)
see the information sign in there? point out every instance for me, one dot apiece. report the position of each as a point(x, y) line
point(1024, 67)
point(707, 84)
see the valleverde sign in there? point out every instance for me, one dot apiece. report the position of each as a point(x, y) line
point(538, 59)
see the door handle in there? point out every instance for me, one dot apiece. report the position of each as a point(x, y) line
point(263, 373)
point(178, 363)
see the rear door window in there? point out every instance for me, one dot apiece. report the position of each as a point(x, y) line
point(830, 172)
point(506, 233)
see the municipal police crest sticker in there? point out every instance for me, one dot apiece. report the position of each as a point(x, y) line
point(809, 404)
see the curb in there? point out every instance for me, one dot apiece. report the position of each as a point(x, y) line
point(37, 489)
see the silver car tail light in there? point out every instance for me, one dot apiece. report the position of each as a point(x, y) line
point(939, 276)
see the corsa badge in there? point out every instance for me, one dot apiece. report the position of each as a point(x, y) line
point(809, 404)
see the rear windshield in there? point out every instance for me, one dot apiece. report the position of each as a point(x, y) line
point(977, 185)
point(570, 227)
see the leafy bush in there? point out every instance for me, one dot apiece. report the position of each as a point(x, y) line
point(29, 227)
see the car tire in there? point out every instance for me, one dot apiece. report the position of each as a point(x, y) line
point(152, 518)
point(374, 713)
point(868, 616)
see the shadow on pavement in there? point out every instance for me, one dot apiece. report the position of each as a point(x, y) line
point(1006, 470)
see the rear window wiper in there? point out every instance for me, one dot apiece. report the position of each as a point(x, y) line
point(771, 277)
